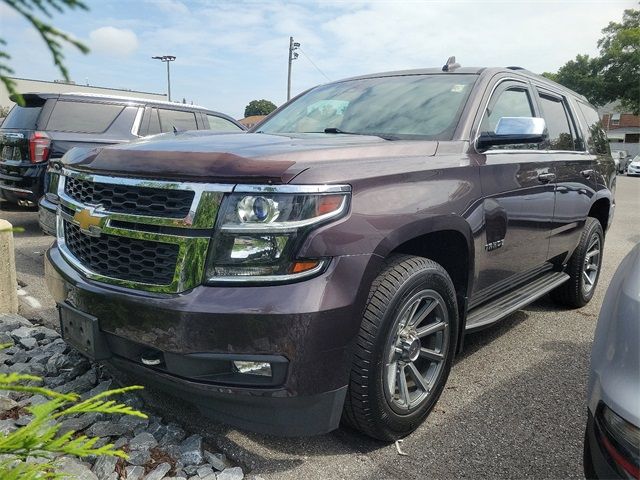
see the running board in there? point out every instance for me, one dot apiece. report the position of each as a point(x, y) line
point(508, 303)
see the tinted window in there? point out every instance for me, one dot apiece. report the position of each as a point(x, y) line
point(82, 117)
point(421, 106)
point(22, 117)
point(154, 122)
point(179, 120)
point(222, 124)
point(555, 117)
point(596, 138)
point(514, 102)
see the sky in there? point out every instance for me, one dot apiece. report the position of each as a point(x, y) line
point(231, 52)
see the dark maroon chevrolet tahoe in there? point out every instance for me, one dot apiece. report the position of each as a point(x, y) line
point(327, 265)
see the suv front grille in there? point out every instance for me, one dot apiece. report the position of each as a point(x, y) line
point(128, 199)
point(123, 258)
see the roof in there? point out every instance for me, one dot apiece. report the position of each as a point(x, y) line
point(470, 71)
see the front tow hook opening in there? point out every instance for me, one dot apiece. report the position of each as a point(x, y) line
point(152, 358)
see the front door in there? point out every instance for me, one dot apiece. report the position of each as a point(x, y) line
point(518, 186)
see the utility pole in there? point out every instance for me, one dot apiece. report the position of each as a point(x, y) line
point(167, 59)
point(293, 46)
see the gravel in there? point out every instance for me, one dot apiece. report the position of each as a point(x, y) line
point(158, 450)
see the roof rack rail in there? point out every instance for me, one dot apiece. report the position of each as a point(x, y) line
point(515, 67)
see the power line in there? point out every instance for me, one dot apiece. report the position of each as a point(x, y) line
point(313, 63)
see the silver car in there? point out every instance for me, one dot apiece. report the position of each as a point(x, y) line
point(612, 439)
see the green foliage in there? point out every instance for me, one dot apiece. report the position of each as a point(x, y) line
point(613, 75)
point(53, 37)
point(41, 439)
point(259, 107)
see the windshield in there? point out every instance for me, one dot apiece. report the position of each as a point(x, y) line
point(409, 106)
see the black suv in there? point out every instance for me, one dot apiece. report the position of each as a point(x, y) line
point(52, 123)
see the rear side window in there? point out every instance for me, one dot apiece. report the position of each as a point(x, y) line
point(23, 117)
point(154, 122)
point(596, 138)
point(222, 124)
point(82, 117)
point(178, 119)
point(558, 126)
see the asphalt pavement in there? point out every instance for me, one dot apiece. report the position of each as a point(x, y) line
point(514, 405)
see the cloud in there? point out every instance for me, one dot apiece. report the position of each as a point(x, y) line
point(113, 41)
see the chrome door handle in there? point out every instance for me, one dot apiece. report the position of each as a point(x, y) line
point(546, 177)
point(587, 173)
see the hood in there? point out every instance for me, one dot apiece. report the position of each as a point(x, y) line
point(237, 157)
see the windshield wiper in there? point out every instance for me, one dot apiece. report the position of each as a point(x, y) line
point(338, 131)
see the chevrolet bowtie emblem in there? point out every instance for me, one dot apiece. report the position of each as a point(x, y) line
point(88, 221)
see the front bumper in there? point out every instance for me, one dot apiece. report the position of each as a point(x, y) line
point(311, 325)
point(596, 462)
point(631, 170)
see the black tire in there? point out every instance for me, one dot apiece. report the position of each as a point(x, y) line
point(574, 292)
point(369, 405)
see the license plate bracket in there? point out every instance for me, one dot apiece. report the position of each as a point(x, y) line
point(81, 330)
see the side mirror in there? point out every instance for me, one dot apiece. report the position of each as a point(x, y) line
point(513, 131)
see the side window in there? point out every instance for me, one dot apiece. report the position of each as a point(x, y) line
point(557, 121)
point(596, 138)
point(178, 119)
point(154, 123)
point(512, 102)
point(82, 117)
point(222, 124)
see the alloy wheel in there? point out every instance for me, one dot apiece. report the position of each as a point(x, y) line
point(591, 265)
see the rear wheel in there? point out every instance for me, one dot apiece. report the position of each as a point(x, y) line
point(404, 350)
point(583, 268)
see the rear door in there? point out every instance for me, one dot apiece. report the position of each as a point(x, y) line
point(518, 189)
point(574, 168)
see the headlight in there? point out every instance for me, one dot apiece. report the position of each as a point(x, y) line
point(261, 228)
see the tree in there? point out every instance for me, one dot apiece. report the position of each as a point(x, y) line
point(620, 61)
point(259, 107)
point(612, 75)
point(53, 37)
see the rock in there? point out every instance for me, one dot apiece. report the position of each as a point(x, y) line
point(106, 428)
point(159, 472)
point(74, 468)
point(121, 442)
point(7, 426)
point(23, 332)
point(113, 476)
point(204, 471)
point(176, 478)
point(191, 470)
point(218, 461)
point(105, 466)
point(157, 430)
point(81, 384)
point(24, 420)
point(211, 476)
point(20, 368)
point(12, 321)
point(191, 450)
point(5, 337)
point(19, 357)
point(34, 400)
point(134, 472)
point(100, 388)
point(174, 434)
point(139, 457)
point(132, 423)
point(28, 342)
point(43, 332)
point(143, 441)
point(80, 423)
point(7, 404)
point(233, 473)
point(56, 346)
point(57, 362)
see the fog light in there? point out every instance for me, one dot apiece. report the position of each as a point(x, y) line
point(253, 368)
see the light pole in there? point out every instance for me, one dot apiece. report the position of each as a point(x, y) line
point(168, 59)
point(293, 46)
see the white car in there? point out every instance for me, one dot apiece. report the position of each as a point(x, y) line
point(634, 166)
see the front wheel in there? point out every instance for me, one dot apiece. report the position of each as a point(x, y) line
point(583, 268)
point(404, 350)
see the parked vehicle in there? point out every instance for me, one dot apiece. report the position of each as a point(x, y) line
point(621, 158)
point(634, 166)
point(50, 124)
point(329, 264)
point(612, 438)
